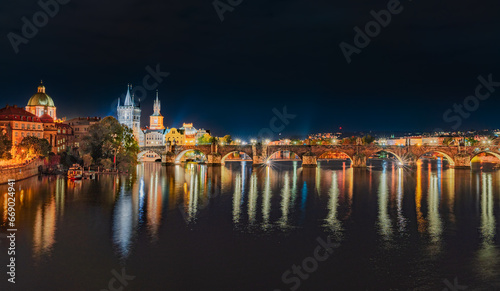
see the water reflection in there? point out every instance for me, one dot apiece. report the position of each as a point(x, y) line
point(384, 220)
point(332, 221)
point(286, 192)
point(44, 229)
point(428, 213)
point(488, 255)
point(266, 201)
point(125, 218)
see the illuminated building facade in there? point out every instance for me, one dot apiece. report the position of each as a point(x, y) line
point(174, 136)
point(18, 123)
point(156, 119)
point(129, 114)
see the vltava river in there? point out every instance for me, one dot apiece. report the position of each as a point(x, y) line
point(194, 227)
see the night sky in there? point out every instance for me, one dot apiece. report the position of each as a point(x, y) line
point(228, 76)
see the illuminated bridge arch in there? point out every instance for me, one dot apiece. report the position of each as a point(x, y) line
point(488, 152)
point(276, 151)
point(398, 157)
point(223, 160)
point(180, 155)
point(447, 156)
point(337, 155)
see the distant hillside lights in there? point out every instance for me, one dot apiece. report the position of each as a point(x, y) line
point(29, 30)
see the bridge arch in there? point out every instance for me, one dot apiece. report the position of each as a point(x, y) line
point(180, 155)
point(487, 152)
point(399, 158)
point(447, 156)
point(239, 152)
point(323, 155)
point(268, 158)
point(142, 153)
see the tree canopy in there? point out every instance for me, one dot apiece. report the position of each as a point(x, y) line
point(5, 147)
point(108, 139)
point(36, 146)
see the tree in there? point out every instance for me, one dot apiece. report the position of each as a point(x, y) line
point(226, 139)
point(471, 141)
point(368, 139)
point(35, 146)
point(205, 139)
point(87, 160)
point(5, 147)
point(108, 139)
point(106, 163)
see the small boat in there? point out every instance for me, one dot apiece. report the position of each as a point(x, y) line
point(75, 172)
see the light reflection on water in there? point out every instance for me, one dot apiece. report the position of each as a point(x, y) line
point(428, 211)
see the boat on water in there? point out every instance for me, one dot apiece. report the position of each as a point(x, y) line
point(75, 172)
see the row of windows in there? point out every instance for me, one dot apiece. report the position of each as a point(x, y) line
point(28, 126)
point(37, 134)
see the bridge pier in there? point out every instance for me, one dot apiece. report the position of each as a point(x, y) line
point(258, 161)
point(309, 161)
point(359, 161)
point(461, 161)
point(214, 160)
point(411, 160)
point(168, 159)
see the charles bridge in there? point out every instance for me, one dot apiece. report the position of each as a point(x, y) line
point(457, 156)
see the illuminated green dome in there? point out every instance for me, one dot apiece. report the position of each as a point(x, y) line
point(41, 98)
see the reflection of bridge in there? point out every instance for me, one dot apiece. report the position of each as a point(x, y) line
point(457, 156)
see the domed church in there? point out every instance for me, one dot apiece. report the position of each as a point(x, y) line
point(41, 103)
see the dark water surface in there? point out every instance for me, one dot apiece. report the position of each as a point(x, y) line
point(236, 228)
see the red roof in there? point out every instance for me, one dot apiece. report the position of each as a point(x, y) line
point(46, 118)
point(17, 113)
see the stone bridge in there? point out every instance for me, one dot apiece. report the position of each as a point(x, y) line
point(457, 156)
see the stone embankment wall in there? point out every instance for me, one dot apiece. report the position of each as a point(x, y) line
point(20, 172)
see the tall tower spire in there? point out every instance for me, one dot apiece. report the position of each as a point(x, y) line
point(128, 99)
point(157, 105)
point(156, 120)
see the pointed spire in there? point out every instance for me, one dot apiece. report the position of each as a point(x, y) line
point(118, 103)
point(128, 100)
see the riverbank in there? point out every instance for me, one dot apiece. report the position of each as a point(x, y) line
point(20, 172)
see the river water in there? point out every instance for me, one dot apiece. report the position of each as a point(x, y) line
point(281, 227)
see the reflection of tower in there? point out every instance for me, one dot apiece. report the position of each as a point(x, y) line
point(156, 120)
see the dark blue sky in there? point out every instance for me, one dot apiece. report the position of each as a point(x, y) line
point(228, 76)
